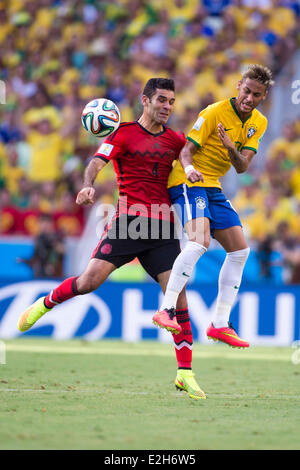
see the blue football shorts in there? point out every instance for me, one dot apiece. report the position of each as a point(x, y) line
point(196, 201)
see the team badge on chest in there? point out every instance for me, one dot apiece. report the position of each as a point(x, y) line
point(251, 132)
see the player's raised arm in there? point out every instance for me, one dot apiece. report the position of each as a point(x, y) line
point(186, 160)
point(87, 193)
point(240, 160)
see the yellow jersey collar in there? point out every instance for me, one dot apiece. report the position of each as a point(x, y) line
point(236, 111)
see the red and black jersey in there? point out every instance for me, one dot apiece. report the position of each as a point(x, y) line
point(142, 162)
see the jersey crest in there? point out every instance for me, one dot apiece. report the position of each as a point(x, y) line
point(251, 131)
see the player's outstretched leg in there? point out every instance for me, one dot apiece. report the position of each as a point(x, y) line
point(229, 282)
point(95, 274)
point(66, 290)
point(32, 314)
point(183, 343)
point(181, 271)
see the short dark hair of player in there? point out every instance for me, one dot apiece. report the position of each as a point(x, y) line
point(154, 83)
point(260, 73)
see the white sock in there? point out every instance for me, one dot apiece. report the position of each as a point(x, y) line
point(229, 282)
point(181, 271)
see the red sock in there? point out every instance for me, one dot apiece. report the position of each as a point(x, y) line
point(66, 290)
point(183, 341)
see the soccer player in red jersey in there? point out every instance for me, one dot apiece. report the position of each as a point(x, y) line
point(142, 153)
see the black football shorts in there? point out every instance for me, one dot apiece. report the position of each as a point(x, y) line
point(152, 241)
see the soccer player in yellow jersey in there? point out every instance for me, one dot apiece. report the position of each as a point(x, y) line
point(226, 133)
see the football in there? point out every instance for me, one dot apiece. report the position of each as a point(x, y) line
point(100, 117)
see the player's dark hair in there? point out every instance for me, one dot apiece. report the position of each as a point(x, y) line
point(154, 83)
point(260, 73)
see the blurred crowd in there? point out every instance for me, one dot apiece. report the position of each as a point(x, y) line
point(56, 55)
point(269, 205)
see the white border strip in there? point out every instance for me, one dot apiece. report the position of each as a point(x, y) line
point(186, 202)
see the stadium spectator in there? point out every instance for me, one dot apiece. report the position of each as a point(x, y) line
point(264, 252)
point(9, 128)
point(22, 199)
point(289, 248)
point(9, 217)
point(69, 217)
point(248, 202)
point(29, 216)
point(47, 148)
point(12, 172)
point(288, 142)
point(215, 7)
point(47, 258)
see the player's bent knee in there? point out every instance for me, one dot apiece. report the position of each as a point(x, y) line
point(240, 255)
point(198, 231)
point(204, 243)
point(86, 284)
point(202, 239)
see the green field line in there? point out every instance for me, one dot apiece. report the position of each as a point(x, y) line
point(157, 350)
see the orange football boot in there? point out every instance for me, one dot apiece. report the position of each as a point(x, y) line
point(227, 335)
point(167, 319)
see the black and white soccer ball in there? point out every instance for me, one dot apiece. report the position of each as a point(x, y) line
point(101, 117)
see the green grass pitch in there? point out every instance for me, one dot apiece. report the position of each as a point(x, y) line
point(115, 396)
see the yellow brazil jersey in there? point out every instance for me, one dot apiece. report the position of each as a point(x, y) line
point(46, 156)
point(211, 157)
